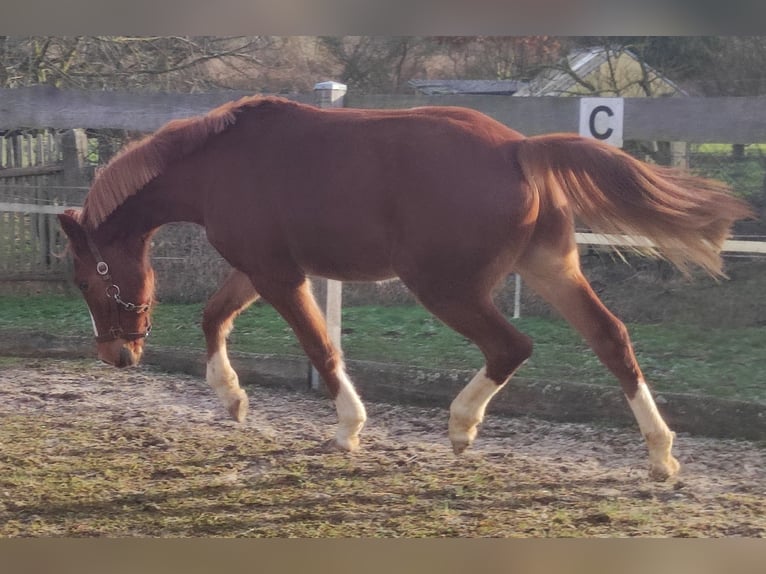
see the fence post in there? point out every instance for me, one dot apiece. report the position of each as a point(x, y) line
point(74, 151)
point(679, 155)
point(75, 174)
point(328, 292)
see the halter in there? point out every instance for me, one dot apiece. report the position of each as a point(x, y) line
point(113, 292)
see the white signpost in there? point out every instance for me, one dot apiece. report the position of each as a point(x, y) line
point(601, 119)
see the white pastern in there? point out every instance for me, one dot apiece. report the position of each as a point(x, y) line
point(224, 381)
point(467, 410)
point(351, 413)
point(659, 438)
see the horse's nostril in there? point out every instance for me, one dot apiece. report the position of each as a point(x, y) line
point(126, 358)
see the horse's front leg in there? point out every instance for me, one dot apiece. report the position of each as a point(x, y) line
point(296, 304)
point(234, 296)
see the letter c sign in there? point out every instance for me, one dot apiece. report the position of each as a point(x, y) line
point(601, 118)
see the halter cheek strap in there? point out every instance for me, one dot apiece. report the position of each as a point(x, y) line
point(113, 292)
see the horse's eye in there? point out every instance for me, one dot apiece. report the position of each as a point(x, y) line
point(83, 286)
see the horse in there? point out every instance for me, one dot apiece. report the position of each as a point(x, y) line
point(447, 199)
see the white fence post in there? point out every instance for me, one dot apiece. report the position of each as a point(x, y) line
point(330, 293)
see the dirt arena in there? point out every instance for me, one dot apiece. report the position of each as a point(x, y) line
point(88, 450)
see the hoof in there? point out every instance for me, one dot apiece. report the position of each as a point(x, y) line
point(347, 443)
point(347, 434)
point(661, 472)
point(459, 446)
point(461, 437)
point(327, 447)
point(238, 409)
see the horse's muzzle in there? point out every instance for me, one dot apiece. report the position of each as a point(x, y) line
point(120, 353)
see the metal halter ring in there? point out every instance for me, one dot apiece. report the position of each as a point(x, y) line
point(116, 291)
point(102, 268)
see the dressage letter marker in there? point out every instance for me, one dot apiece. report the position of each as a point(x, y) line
point(601, 119)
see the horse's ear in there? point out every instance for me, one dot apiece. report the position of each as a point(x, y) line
point(70, 223)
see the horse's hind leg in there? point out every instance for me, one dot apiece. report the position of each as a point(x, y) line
point(560, 281)
point(472, 313)
point(234, 296)
point(296, 303)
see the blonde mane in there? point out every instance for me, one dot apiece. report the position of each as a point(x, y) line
point(140, 162)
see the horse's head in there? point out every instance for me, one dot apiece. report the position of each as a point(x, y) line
point(118, 285)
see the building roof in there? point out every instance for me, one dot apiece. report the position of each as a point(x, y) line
point(581, 63)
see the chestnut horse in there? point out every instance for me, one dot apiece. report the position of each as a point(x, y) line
point(445, 198)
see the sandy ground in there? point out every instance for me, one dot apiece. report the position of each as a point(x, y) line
point(538, 478)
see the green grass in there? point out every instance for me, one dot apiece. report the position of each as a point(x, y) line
point(724, 362)
point(745, 176)
point(724, 149)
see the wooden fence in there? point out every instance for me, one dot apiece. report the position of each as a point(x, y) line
point(41, 171)
point(736, 120)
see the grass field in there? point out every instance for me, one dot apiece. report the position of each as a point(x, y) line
point(745, 176)
point(680, 358)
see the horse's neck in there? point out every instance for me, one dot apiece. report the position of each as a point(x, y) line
point(159, 203)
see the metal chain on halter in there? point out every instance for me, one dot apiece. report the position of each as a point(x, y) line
point(126, 304)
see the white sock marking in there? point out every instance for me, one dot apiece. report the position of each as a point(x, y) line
point(659, 438)
point(351, 412)
point(467, 410)
point(645, 410)
point(219, 370)
point(224, 381)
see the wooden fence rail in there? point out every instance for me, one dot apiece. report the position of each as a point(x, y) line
point(596, 239)
point(720, 120)
point(688, 119)
point(32, 171)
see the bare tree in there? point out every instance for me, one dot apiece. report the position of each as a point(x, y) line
point(378, 64)
point(739, 68)
point(175, 63)
point(501, 57)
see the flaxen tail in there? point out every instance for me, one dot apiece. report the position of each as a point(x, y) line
point(685, 218)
